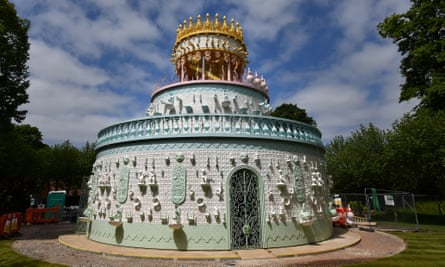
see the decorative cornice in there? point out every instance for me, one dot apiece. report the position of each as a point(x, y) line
point(212, 85)
point(208, 126)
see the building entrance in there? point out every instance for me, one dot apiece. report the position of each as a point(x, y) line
point(245, 210)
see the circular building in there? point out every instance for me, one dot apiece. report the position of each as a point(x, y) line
point(207, 168)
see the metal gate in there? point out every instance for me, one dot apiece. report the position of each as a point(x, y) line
point(245, 210)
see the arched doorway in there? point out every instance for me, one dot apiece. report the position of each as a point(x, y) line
point(245, 217)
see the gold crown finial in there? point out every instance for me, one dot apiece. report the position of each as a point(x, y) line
point(209, 26)
point(190, 23)
point(232, 25)
point(207, 23)
point(220, 45)
point(225, 26)
point(216, 34)
point(198, 25)
point(216, 21)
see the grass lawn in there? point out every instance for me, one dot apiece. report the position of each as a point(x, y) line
point(9, 257)
point(424, 248)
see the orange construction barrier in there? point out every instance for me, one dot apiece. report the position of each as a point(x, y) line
point(46, 215)
point(10, 223)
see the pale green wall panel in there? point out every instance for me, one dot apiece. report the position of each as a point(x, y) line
point(146, 235)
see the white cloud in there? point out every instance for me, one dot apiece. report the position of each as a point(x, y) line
point(358, 20)
point(335, 107)
point(370, 64)
point(354, 19)
point(361, 82)
point(265, 20)
point(115, 26)
point(55, 65)
point(65, 96)
point(331, 97)
point(75, 128)
point(363, 87)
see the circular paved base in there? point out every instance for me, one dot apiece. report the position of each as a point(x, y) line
point(341, 239)
point(42, 242)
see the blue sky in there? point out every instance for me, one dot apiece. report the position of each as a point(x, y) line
point(95, 62)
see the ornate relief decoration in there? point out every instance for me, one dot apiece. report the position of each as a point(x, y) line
point(299, 181)
point(206, 89)
point(124, 176)
point(250, 126)
point(223, 144)
point(179, 183)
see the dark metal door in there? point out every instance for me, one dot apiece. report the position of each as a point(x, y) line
point(244, 208)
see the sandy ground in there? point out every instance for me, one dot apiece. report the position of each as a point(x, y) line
point(40, 242)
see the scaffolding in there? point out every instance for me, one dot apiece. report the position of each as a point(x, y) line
point(383, 209)
point(391, 209)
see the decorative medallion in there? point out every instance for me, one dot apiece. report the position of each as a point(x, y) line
point(299, 181)
point(179, 181)
point(244, 158)
point(124, 175)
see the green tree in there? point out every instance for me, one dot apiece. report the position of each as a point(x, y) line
point(292, 112)
point(67, 165)
point(415, 154)
point(64, 165)
point(29, 135)
point(356, 162)
point(14, 81)
point(86, 159)
point(21, 167)
point(420, 36)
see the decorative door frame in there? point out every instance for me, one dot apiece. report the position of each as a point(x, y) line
point(261, 217)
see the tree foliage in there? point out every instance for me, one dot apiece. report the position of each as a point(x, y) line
point(87, 158)
point(356, 162)
point(415, 153)
point(29, 135)
point(20, 166)
point(292, 112)
point(410, 157)
point(14, 81)
point(420, 36)
point(67, 165)
point(28, 166)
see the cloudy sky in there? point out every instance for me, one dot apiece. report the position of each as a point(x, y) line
point(95, 62)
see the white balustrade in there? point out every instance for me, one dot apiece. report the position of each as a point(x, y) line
point(172, 126)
